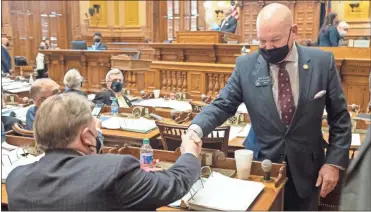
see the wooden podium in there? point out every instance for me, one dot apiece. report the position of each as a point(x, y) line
point(206, 37)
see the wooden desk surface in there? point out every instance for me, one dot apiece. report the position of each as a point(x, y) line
point(132, 135)
point(264, 202)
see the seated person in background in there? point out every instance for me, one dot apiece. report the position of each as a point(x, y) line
point(114, 82)
point(329, 35)
point(41, 67)
point(7, 121)
point(71, 176)
point(40, 90)
point(73, 82)
point(98, 45)
point(343, 28)
point(229, 23)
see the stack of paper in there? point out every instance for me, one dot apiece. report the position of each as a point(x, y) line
point(162, 103)
point(141, 125)
point(14, 158)
point(211, 195)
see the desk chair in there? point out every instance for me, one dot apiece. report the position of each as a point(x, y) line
point(171, 134)
point(20, 130)
point(26, 71)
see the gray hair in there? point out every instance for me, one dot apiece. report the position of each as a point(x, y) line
point(73, 79)
point(59, 119)
point(114, 71)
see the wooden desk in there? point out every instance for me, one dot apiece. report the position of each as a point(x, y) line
point(191, 37)
point(4, 195)
point(121, 137)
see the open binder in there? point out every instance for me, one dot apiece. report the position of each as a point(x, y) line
point(220, 192)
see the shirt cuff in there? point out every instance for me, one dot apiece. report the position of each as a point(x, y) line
point(197, 129)
point(339, 167)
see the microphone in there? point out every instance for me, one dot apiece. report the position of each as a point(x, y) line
point(142, 93)
point(267, 166)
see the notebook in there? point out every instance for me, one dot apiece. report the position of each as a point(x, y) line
point(211, 194)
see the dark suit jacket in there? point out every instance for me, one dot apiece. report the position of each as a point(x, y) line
point(230, 25)
point(6, 61)
point(101, 46)
point(329, 37)
point(105, 97)
point(65, 180)
point(9, 121)
point(356, 190)
point(302, 142)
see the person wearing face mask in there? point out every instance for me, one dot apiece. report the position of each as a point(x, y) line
point(97, 42)
point(329, 35)
point(73, 177)
point(114, 82)
point(343, 28)
point(6, 61)
point(40, 90)
point(285, 88)
point(41, 67)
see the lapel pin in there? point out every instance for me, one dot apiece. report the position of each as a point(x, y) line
point(305, 66)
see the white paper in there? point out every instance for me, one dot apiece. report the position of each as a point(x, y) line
point(245, 131)
point(141, 124)
point(162, 103)
point(356, 139)
point(242, 108)
point(195, 188)
point(224, 193)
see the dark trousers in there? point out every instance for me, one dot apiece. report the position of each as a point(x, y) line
point(293, 202)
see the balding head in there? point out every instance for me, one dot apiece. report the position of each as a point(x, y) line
point(274, 26)
point(43, 88)
point(5, 41)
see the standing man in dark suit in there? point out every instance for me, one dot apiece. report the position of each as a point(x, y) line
point(229, 23)
point(115, 84)
point(6, 61)
point(285, 88)
point(98, 45)
point(72, 177)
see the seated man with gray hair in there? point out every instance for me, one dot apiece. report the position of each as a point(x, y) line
point(73, 82)
point(40, 90)
point(72, 177)
point(115, 83)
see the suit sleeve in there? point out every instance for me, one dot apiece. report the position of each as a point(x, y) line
point(338, 118)
point(333, 37)
point(223, 107)
point(140, 190)
point(101, 98)
point(233, 26)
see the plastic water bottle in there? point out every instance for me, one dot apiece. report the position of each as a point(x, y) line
point(146, 153)
point(114, 107)
point(2, 133)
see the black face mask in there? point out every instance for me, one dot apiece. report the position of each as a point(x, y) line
point(7, 44)
point(42, 47)
point(275, 55)
point(116, 86)
point(97, 40)
point(99, 145)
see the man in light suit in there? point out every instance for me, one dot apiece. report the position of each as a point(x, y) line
point(285, 88)
point(72, 177)
point(229, 23)
point(356, 190)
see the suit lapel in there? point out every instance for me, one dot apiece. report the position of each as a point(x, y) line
point(265, 92)
point(305, 76)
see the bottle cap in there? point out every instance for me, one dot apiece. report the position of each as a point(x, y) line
point(146, 141)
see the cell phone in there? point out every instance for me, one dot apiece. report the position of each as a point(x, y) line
point(97, 109)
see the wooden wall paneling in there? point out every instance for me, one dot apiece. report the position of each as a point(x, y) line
point(152, 79)
point(201, 16)
point(250, 11)
point(131, 14)
point(7, 28)
point(162, 21)
point(196, 83)
point(306, 16)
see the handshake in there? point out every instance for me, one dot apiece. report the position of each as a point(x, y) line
point(191, 143)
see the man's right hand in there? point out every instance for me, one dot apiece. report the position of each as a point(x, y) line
point(191, 143)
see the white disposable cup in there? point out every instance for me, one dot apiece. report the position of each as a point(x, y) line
point(156, 93)
point(243, 163)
